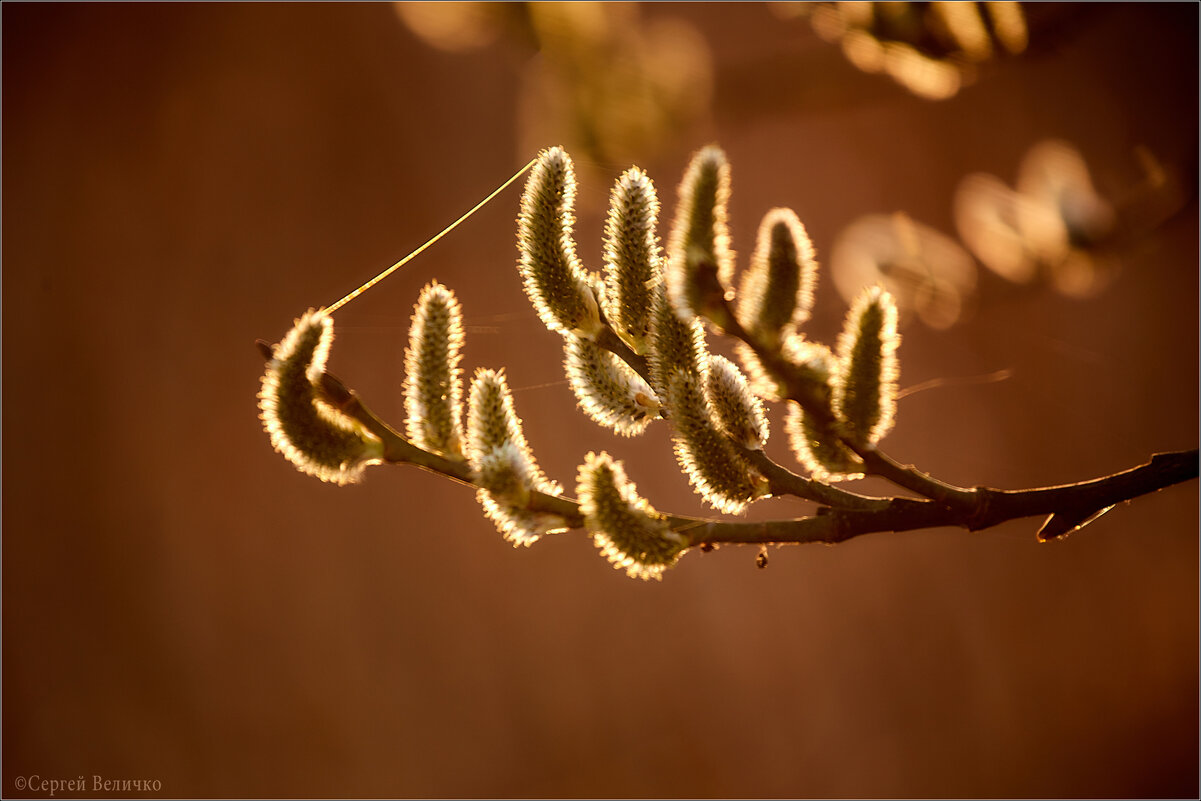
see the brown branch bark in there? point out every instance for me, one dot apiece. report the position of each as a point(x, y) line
point(842, 515)
point(1072, 504)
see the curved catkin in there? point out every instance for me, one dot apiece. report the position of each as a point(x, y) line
point(433, 388)
point(738, 414)
point(632, 257)
point(310, 433)
point(818, 448)
point(717, 472)
point(607, 389)
point(554, 279)
point(504, 466)
point(625, 527)
point(865, 384)
point(699, 260)
point(777, 291)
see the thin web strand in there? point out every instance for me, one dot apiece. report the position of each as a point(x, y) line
point(334, 307)
point(1003, 374)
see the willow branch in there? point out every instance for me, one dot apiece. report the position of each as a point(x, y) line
point(843, 515)
point(1072, 505)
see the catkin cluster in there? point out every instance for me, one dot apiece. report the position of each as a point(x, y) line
point(657, 304)
point(636, 351)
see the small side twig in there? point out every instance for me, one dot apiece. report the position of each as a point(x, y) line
point(874, 461)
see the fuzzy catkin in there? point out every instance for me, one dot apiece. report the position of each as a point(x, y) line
point(553, 276)
point(738, 414)
point(674, 345)
point(316, 438)
point(607, 389)
point(818, 448)
point(716, 471)
point(625, 527)
point(521, 527)
point(504, 466)
point(632, 257)
point(865, 385)
point(777, 291)
point(433, 387)
point(814, 436)
point(699, 259)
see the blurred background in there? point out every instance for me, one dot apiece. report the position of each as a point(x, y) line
point(181, 605)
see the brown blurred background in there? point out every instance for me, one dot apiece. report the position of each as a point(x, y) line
point(181, 605)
